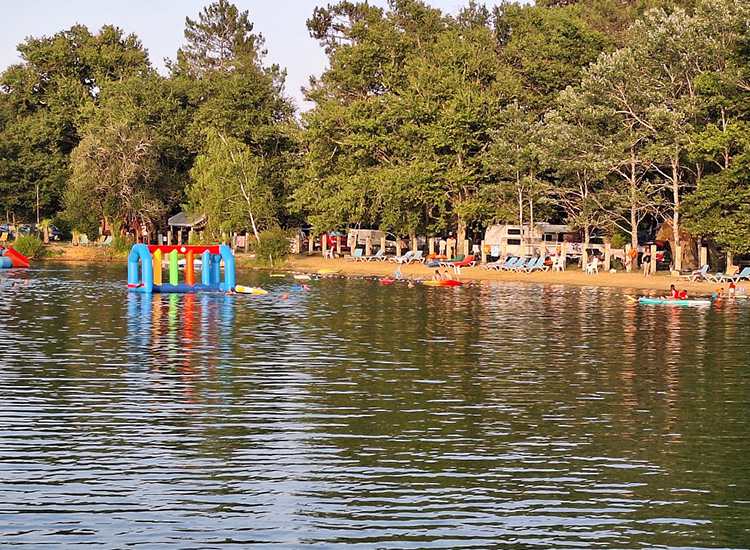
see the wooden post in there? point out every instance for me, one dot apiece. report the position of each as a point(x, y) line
point(382, 243)
point(398, 247)
point(368, 245)
point(730, 262)
point(310, 244)
point(584, 257)
point(503, 250)
point(678, 258)
point(297, 245)
point(543, 249)
point(414, 244)
point(466, 247)
point(704, 256)
point(607, 257)
point(484, 254)
point(323, 244)
point(431, 245)
point(338, 246)
point(653, 259)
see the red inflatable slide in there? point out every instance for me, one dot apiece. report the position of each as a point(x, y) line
point(19, 260)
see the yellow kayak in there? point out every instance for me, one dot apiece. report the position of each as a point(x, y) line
point(249, 290)
point(278, 274)
point(329, 270)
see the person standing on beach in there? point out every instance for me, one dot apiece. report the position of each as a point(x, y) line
point(452, 244)
point(646, 260)
point(441, 246)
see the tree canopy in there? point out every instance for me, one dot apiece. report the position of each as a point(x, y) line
point(597, 113)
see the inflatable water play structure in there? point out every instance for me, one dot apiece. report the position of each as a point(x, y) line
point(10, 257)
point(145, 268)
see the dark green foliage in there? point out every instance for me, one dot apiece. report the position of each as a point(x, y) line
point(30, 246)
point(595, 112)
point(273, 244)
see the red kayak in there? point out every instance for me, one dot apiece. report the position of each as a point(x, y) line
point(449, 282)
point(386, 281)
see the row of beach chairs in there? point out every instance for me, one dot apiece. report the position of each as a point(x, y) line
point(518, 265)
point(702, 274)
point(411, 257)
point(407, 258)
point(83, 240)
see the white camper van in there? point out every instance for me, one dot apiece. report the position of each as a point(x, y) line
point(357, 238)
point(521, 240)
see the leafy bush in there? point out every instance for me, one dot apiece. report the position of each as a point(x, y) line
point(195, 238)
point(273, 245)
point(619, 240)
point(30, 246)
point(121, 245)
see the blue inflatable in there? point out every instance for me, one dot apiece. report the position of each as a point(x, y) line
point(145, 268)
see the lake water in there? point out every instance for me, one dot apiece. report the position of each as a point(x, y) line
point(364, 416)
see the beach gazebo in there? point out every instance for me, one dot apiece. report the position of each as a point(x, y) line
point(185, 221)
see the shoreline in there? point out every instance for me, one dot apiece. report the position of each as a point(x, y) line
point(655, 285)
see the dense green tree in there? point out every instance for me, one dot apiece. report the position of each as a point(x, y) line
point(402, 116)
point(515, 193)
point(132, 163)
point(41, 104)
point(242, 128)
point(718, 209)
point(230, 187)
point(548, 48)
point(569, 140)
point(221, 35)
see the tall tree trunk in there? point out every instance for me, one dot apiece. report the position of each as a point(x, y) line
point(460, 235)
point(676, 199)
point(633, 199)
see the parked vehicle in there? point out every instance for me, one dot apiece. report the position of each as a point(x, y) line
point(517, 240)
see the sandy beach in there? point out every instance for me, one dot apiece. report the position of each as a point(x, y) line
point(655, 284)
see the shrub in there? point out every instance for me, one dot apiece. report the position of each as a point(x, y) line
point(619, 240)
point(121, 245)
point(30, 246)
point(273, 245)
